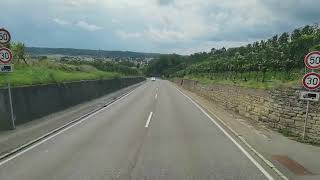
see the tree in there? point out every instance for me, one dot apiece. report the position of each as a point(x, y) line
point(165, 65)
point(19, 51)
point(296, 34)
point(274, 40)
point(284, 38)
point(307, 30)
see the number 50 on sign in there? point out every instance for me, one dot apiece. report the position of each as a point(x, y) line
point(4, 36)
point(312, 60)
point(311, 81)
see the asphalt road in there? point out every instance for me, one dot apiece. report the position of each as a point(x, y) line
point(153, 133)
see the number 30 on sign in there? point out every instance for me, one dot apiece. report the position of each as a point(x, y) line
point(5, 55)
point(311, 81)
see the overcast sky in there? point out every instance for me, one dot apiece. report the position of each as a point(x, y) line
point(165, 26)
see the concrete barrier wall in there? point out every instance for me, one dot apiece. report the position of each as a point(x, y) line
point(34, 102)
point(278, 108)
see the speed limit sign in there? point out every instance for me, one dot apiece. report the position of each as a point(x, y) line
point(311, 81)
point(5, 55)
point(5, 36)
point(312, 60)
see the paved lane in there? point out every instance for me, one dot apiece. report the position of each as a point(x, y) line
point(154, 133)
point(182, 143)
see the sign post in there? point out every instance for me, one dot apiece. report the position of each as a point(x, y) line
point(13, 126)
point(306, 121)
point(311, 81)
point(6, 57)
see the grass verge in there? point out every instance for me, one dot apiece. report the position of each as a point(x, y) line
point(288, 133)
point(271, 84)
point(52, 72)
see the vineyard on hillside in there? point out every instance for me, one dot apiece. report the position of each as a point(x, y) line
point(279, 58)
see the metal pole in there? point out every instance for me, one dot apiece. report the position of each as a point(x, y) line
point(10, 101)
point(305, 121)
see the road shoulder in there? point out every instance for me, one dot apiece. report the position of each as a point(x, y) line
point(27, 132)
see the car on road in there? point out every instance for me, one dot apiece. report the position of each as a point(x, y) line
point(153, 79)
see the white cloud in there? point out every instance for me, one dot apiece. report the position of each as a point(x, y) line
point(81, 24)
point(73, 3)
point(164, 35)
point(172, 21)
point(127, 35)
point(88, 27)
point(115, 21)
point(61, 22)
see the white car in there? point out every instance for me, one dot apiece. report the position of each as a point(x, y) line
point(153, 79)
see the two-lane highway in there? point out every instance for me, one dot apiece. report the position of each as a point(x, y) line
point(153, 133)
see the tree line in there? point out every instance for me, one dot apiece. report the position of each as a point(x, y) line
point(36, 51)
point(125, 67)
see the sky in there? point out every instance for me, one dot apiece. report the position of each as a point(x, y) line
point(160, 26)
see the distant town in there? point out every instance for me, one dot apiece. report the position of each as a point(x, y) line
point(74, 55)
point(142, 61)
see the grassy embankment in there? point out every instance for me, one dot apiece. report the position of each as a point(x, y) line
point(272, 80)
point(46, 72)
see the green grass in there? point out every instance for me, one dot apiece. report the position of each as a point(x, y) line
point(288, 133)
point(272, 79)
point(47, 72)
point(270, 83)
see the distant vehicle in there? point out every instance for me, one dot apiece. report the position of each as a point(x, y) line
point(153, 79)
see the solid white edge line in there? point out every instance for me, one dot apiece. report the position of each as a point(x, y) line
point(269, 163)
point(63, 130)
point(231, 138)
point(149, 119)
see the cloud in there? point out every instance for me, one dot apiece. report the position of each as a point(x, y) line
point(73, 3)
point(86, 26)
point(61, 21)
point(127, 35)
point(164, 2)
point(164, 35)
point(293, 10)
point(80, 24)
point(115, 21)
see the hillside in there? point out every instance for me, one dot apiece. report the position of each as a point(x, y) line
point(37, 51)
point(45, 70)
point(267, 63)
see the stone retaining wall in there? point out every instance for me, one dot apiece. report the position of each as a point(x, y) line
point(280, 109)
